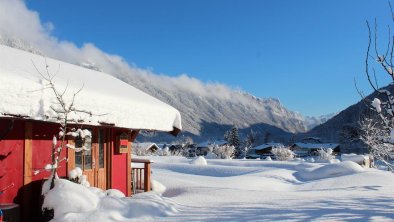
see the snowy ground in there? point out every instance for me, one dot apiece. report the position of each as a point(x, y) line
point(255, 190)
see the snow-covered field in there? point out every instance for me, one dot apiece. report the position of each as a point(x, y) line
point(253, 190)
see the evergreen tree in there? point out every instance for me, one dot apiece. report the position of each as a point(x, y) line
point(233, 139)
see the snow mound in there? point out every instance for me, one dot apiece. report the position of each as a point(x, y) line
point(67, 197)
point(75, 202)
point(354, 157)
point(199, 161)
point(114, 193)
point(208, 170)
point(158, 187)
point(75, 173)
point(328, 171)
point(211, 155)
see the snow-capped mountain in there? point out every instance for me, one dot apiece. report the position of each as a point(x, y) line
point(206, 108)
point(313, 121)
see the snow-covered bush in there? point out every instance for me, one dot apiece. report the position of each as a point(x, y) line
point(325, 155)
point(379, 141)
point(178, 152)
point(164, 152)
point(75, 175)
point(224, 151)
point(282, 153)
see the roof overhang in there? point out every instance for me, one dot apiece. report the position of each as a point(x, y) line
point(112, 102)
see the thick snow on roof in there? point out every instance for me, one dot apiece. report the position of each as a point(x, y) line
point(110, 100)
point(267, 145)
point(212, 143)
point(317, 145)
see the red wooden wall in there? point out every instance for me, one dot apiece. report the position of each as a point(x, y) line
point(119, 165)
point(25, 146)
point(12, 138)
point(42, 147)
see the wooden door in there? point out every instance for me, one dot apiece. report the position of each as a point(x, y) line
point(101, 160)
point(93, 161)
point(85, 160)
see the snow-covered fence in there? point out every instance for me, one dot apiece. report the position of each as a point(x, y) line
point(140, 175)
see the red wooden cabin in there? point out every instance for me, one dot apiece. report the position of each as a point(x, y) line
point(27, 129)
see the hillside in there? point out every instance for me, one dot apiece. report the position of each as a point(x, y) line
point(331, 130)
point(207, 109)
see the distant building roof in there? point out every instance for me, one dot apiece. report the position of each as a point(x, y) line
point(312, 139)
point(316, 145)
point(146, 146)
point(212, 143)
point(267, 145)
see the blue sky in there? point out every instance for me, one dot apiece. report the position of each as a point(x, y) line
point(306, 53)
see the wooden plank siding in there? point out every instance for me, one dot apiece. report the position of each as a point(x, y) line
point(132, 137)
point(28, 156)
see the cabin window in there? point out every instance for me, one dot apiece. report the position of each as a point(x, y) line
point(87, 159)
point(83, 159)
point(78, 159)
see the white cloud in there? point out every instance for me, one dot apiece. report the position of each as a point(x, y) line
point(19, 22)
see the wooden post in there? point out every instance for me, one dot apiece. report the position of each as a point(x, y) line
point(70, 156)
point(27, 170)
point(147, 176)
point(28, 154)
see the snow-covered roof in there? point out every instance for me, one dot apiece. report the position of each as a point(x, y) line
point(212, 143)
point(267, 145)
point(145, 145)
point(109, 99)
point(316, 145)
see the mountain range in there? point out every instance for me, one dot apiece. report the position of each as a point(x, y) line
point(207, 109)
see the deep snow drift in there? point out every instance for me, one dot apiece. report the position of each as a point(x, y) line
point(242, 190)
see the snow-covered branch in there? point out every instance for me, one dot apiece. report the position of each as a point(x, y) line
point(63, 108)
point(378, 133)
